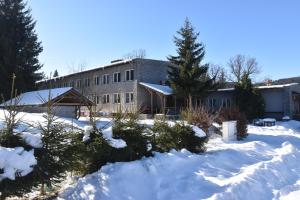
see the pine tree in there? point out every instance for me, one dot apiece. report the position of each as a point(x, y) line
point(19, 47)
point(188, 77)
point(248, 99)
point(55, 74)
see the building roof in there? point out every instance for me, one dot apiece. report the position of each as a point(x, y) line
point(163, 89)
point(113, 63)
point(40, 97)
point(262, 87)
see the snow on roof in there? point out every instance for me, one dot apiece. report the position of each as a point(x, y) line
point(276, 86)
point(263, 87)
point(164, 89)
point(37, 97)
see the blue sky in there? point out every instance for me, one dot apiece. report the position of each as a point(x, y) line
point(94, 32)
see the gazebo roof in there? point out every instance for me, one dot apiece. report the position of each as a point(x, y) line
point(59, 96)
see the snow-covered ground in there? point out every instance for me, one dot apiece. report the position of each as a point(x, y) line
point(266, 165)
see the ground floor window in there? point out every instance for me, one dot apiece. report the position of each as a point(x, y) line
point(117, 98)
point(105, 99)
point(129, 97)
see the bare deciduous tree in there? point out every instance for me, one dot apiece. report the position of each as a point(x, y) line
point(139, 53)
point(241, 65)
point(218, 73)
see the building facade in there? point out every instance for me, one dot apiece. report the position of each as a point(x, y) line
point(117, 85)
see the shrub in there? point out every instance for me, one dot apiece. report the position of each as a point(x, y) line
point(199, 116)
point(179, 136)
point(233, 113)
point(127, 128)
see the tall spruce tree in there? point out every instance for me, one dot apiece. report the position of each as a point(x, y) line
point(19, 47)
point(188, 78)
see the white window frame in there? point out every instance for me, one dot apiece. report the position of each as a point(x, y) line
point(96, 80)
point(130, 97)
point(87, 82)
point(114, 98)
point(105, 79)
point(118, 77)
point(78, 83)
point(131, 76)
point(105, 98)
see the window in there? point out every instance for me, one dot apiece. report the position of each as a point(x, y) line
point(96, 80)
point(97, 100)
point(129, 98)
point(87, 82)
point(117, 77)
point(117, 98)
point(105, 79)
point(212, 103)
point(78, 83)
point(65, 84)
point(105, 99)
point(71, 84)
point(226, 103)
point(129, 75)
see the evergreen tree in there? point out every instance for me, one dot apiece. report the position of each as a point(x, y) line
point(248, 99)
point(56, 156)
point(19, 47)
point(189, 77)
point(55, 74)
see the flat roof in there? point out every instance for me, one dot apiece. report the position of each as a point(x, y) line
point(262, 87)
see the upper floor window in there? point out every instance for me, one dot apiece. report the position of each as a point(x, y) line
point(87, 82)
point(71, 84)
point(78, 83)
point(96, 80)
point(129, 75)
point(105, 99)
point(117, 77)
point(129, 97)
point(117, 98)
point(105, 79)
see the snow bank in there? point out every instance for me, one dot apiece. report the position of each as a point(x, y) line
point(15, 160)
point(264, 166)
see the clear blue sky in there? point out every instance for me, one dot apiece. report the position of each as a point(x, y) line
point(94, 32)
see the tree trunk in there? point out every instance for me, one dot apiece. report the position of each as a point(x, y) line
point(190, 102)
point(42, 191)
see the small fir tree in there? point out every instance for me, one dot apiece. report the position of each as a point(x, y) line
point(54, 157)
point(248, 99)
point(189, 77)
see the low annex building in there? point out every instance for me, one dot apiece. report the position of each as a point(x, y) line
point(66, 101)
point(280, 100)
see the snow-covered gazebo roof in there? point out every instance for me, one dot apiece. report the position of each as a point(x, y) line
point(66, 95)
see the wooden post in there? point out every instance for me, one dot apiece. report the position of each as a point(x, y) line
point(151, 96)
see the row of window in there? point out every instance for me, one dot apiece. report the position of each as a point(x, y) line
point(116, 98)
point(116, 78)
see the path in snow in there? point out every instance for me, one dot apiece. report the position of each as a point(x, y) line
point(264, 166)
